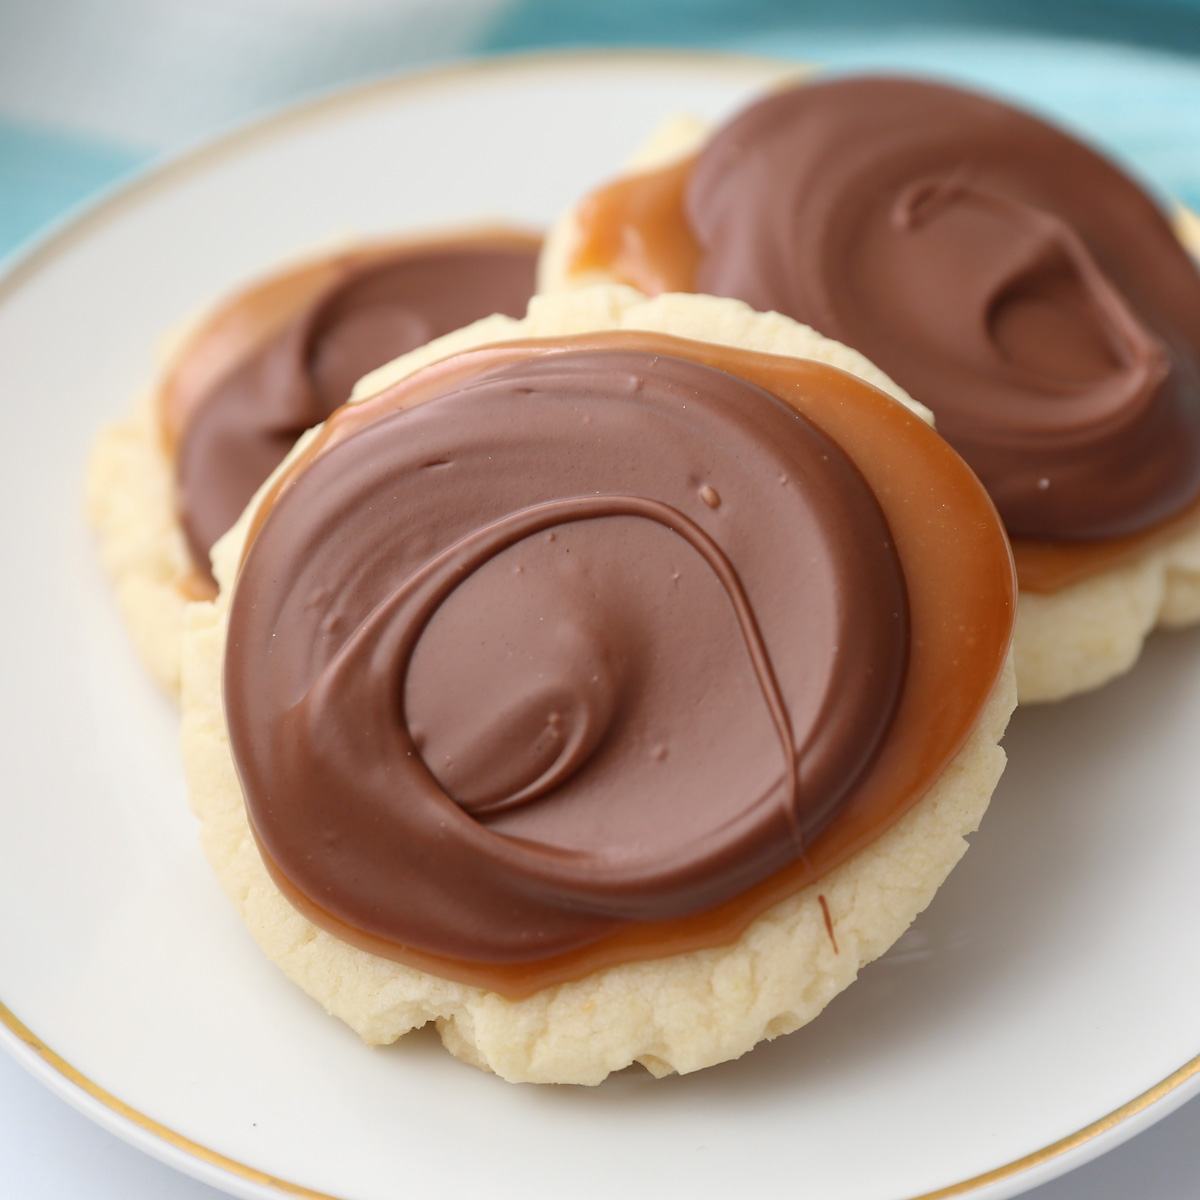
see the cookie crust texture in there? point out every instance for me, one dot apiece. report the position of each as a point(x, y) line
point(673, 1014)
point(1065, 642)
point(129, 502)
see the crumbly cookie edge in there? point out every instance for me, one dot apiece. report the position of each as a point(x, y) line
point(129, 503)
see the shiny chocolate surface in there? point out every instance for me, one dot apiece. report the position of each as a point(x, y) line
point(340, 321)
point(583, 639)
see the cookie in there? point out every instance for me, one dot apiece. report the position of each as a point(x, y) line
point(638, 675)
point(1008, 276)
point(239, 387)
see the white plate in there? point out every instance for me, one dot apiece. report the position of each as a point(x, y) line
point(1043, 1008)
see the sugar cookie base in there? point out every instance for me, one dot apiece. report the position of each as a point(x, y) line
point(1066, 642)
point(130, 504)
point(679, 1013)
point(1085, 635)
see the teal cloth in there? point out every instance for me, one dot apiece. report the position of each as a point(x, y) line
point(1124, 75)
point(1172, 25)
point(1140, 106)
point(45, 174)
point(1132, 88)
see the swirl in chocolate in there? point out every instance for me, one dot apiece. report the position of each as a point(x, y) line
point(586, 638)
point(1006, 275)
point(367, 308)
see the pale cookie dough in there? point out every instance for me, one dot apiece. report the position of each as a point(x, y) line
point(130, 504)
point(672, 1014)
point(1087, 634)
point(1066, 642)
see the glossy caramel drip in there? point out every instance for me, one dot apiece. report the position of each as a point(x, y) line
point(960, 593)
point(634, 231)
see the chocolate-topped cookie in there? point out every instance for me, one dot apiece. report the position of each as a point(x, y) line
point(605, 686)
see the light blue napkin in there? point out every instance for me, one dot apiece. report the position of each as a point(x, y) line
point(1139, 102)
point(45, 174)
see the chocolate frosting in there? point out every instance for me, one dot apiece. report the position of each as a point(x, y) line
point(531, 659)
point(1009, 277)
point(378, 306)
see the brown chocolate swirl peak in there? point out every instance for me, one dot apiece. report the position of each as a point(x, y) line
point(586, 638)
point(1006, 275)
point(374, 306)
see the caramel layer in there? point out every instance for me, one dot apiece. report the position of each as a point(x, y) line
point(1047, 567)
point(634, 230)
point(960, 590)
